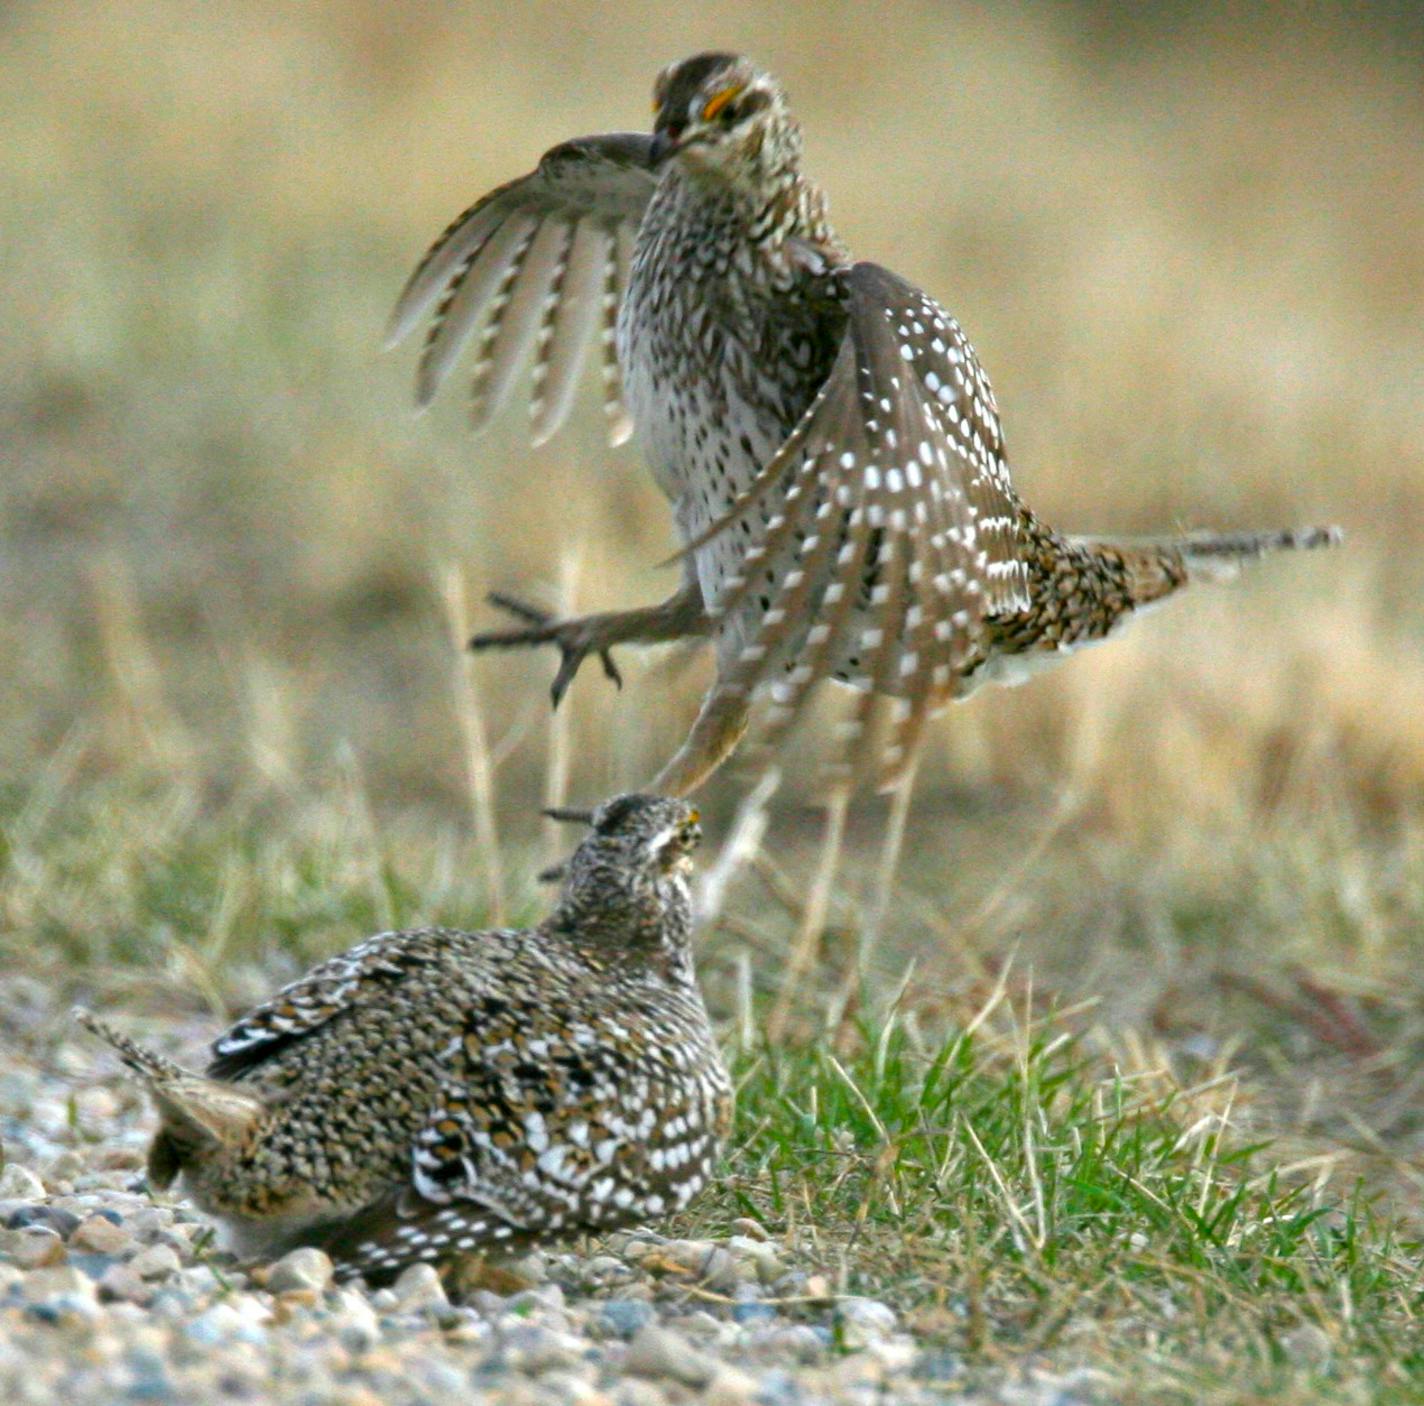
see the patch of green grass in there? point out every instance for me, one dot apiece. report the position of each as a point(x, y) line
point(1015, 1192)
point(1024, 1188)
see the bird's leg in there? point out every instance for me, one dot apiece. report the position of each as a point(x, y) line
point(720, 725)
point(680, 615)
point(813, 916)
point(873, 923)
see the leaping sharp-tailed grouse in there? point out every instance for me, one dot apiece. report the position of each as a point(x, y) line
point(824, 431)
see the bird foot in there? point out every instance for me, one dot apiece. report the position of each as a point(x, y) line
point(575, 639)
point(466, 1274)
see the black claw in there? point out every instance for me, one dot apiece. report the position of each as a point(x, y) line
point(542, 630)
point(531, 615)
point(563, 679)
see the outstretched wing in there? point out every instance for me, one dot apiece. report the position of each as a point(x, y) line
point(541, 261)
point(897, 522)
point(361, 974)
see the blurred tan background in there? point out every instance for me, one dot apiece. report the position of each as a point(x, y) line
point(1186, 244)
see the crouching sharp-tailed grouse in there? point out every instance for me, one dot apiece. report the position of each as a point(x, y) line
point(432, 1093)
point(823, 429)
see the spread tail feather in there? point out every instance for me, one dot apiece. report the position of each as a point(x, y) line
point(198, 1114)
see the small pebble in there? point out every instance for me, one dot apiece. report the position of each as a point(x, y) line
point(661, 1352)
point(607, 1269)
point(156, 1262)
point(68, 1165)
point(32, 1246)
point(798, 1341)
point(753, 1311)
point(123, 1282)
point(304, 1268)
point(860, 1322)
point(730, 1386)
point(353, 1320)
point(54, 1218)
point(218, 1324)
point(101, 1234)
point(622, 1318)
point(634, 1391)
point(56, 1281)
point(20, 1184)
point(534, 1349)
point(1307, 1345)
point(419, 1287)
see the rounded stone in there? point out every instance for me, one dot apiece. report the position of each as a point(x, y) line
point(860, 1322)
point(1308, 1345)
point(68, 1165)
point(19, 1183)
point(156, 1262)
point(622, 1318)
point(216, 1325)
point(659, 1352)
point(32, 1246)
point(749, 1311)
point(730, 1386)
point(304, 1268)
point(56, 1281)
point(419, 1287)
point(121, 1282)
point(54, 1218)
point(353, 1320)
point(100, 1234)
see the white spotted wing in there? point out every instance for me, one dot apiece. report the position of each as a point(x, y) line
point(891, 523)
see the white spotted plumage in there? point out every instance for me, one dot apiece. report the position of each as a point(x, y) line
point(822, 428)
point(436, 1090)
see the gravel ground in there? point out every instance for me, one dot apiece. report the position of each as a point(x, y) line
point(109, 1295)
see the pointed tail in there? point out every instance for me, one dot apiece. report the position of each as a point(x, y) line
point(1217, 556)
point(1160, 565)
point(153, 1069)
point(199, 1115)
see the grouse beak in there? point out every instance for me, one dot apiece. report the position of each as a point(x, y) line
point(570, 814)
point(673, 848)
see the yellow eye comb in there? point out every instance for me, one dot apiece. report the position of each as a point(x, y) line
point(718, 101)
